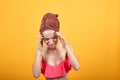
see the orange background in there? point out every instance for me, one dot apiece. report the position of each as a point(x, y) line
point(91, 26)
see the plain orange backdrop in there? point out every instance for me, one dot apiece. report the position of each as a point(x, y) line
point(91, 26)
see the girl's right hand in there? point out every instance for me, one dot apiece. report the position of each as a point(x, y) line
point(40, 41)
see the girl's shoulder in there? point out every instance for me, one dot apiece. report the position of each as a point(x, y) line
point(59, 45)
point(61, 48)
point(43, 50)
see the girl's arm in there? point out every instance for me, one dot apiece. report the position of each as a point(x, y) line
point(36, 69)
point(70, 53)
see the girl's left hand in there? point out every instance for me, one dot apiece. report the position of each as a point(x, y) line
point(62, 39)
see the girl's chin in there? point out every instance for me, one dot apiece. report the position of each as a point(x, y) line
point(51, 46)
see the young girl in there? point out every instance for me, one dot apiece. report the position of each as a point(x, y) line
point(55, 59)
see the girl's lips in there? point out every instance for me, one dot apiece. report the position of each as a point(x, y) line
point(51, 44)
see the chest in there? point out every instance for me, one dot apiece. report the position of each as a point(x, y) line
point(54, 57)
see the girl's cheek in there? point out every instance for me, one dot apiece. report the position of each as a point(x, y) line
point(47, 42)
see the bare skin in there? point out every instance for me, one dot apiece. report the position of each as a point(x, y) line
point(54, 53)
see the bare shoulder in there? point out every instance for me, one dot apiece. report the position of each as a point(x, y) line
point(60, 46)
point(43, 50)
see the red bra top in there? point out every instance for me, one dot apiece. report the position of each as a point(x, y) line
point(61, 69)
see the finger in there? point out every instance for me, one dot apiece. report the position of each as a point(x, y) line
point(58, 34)
point(40, 37)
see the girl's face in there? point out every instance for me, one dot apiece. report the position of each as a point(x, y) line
point(50, 38)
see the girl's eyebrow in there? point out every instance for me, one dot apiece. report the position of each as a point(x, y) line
point(46, 38)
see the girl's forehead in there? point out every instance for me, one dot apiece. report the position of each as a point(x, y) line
point(48, 33)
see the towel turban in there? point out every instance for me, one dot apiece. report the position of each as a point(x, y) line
point(49, 21)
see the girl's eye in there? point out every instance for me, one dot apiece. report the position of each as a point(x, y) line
point(46, 39)
point(54, 37)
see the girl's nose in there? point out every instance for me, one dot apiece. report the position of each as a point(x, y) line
point(51, 41)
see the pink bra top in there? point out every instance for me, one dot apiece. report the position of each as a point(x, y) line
point(61, 69)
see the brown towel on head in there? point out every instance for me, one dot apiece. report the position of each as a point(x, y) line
point(49, 21)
